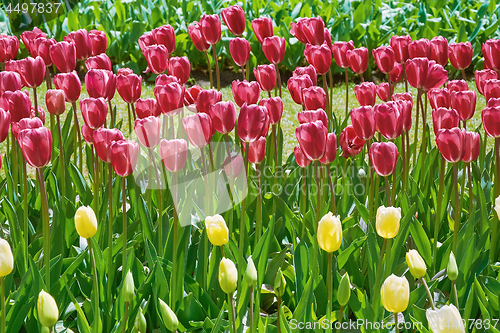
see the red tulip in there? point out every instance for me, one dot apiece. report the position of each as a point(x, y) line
point(363, 122)
point(165, 35)
point(100, 83)
point(55, 101)
point(439, 98)
point(94, 111)
point(403, 97)
point(103, 138)
point(491, 89)
point(9, 46)
point(319, 56)
point(125, 71)
point(274, 49)
point(198, 40)
point(210, 28)
point(312, 116)
point(257, 150)
point(88, 134)
point(482, 76)
point(129, 87)
point(29, 36)
point(4, 124)
point(164, 79)
point(451, 144)
point(339, 50)
point(148, 131)
point(63, 55)
point(493, 102)
point(384, 157)
point(405, 106)
point(98, 42)
point(9, 81)
point(314, 98)
point(464, 102)
point(420, 48)
point(457, 85)
point(331, 149)
point(41, 48)
point(100, 61)
point(366, 93)
point(472, 146)
point(312, 138)
point(416, 72)
point(295, 85)
point(444, 118)
point(19, 104)
point(388, 120)
point(173, 154)
point(245, 92)
point(460, 55)
point(157, 58)
point(262, 28)
point(146, 40)
point(198, 129)
point(206, 98)
point(32, 71)
point(266, 76)
point(358, 59)
point(491, 53)
point(124, 155)
point(383, 91)
point(190, 97)
point(436, 76)
point(439, 50)
point(147, 107)
point(233, 166)
point(396, 74)
point(82, 42)
point(234, 18)
point(400, 46)
point(491, 121)
point(41, 113)
point(274, 107)
point(313, 29)
point(350, 143)
point(328, 38)
point(300, 158)
point(25, 123)
point(170, 98)
point(36, 145)
point(240, 50)
point(385, 59)
point(308, 70)
point(70, 84)
point(223, 115)
point(297, 32)
point(252, 121)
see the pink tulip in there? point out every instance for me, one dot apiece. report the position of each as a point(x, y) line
point(300, 157)
point(245, 92)
point(100, 61)
point(262, 28)
point(100, 83)
point(63, 55)
point(439, 98)
point(240, 50)
point(252, 121)
point(384, 157)
point(211, 28)
point(460, 55)
point(295, 85)
point(173, 154)
point(94, 111)
point(266, 76)
point(206, 98)
point(36, 145)
point(444, 118)
point(308, 70)
point(464, 102)
point(366, 93)
point(339, 50)
point(491, 121)
point(439, 50)
point(98, 41)
point(472, 147)
point(312, 138)
point(482, 76)
point(103, 138)
point(198, 40)
point(70, 84)
point(312, 116)
point(350, 143)
point(314, 98)
point(385, 58)
point(400, 46)
point(82, 42)
point(148, 131)
point(170, 98)
point(384, 91)
point(363, 122)
point(124, 155)
point(223, 115)
point(9, 46)
point(358, 60)
point(257, 150)
point(129, 87)
point(165, 35)
point(420, 48)
point(274, 107)
point(320, 57)
point(388, 120)
point(157, 58)
point(234, 18)
point(274, 49)
point(147, 107)
point(451, 144)
point(198, 129)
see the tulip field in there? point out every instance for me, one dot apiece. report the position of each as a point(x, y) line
point(249, 167)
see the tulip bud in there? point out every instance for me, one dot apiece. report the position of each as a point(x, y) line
point(344, 291)
point(279, 284)
point(168, 316)
point(452, 269)
point(228, 276)
point(217, 231)
point(128, 287)
point(251, 273)
point(416, 264)
point(45, 329)
point(48, 313)
point(6, 258)
point(446, 319)
point(85, 222)
point(329, 233)
point(395, 293)
point(140, 324)
point(387, 221)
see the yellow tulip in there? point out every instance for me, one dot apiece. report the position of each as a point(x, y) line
point(217, 231)
point(329, 233)
point(416, 264)
point(445, 320)
point(6, 258)
point(85, 222)
point(388, 221)
point(48, 313)
point(395, 293)
point(228, 276)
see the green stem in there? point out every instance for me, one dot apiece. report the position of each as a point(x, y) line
point(258, 228)
point(95, 300)
point(438, 214)
point(61, 156)
point(332, 190)
point(209, 70)
point(252, 326)
point(471, 195)
point(25, 211)
point(403, 153)
point(379, 269)
point(346, 93)
point(232, 313)
point(110, 233)
point(396, 322)
point(330, 78)
point(278, 78)
point(494, 227)
point(404, 75)
point(318, 217)
point(275, 140)
point(241, 243)
point(124, 223)
point(160, 203)
point(125, 318)
point(341, 313)
point(388, 191)
point(415, 136)
point(428, 293)
point(424, 137)
point(2, 300)
point(35, 98)
point(303, 204)
point(216, 67)
point(328, 106)
point(173, 281)
point(112, 122)
point(279, 311)
point(330, 292)
point(129, 119)
point(454, 284)
point(78, 134)
point(457, 211)
point(14, 162)
point(46, 226)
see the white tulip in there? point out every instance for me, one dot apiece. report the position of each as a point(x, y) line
point(445, 320)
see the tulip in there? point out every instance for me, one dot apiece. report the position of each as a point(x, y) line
point(41, 48)
point(443, 118)
point(295, 85)
point(18, 105)
point(396, 75)
point(262, 28)
point(420, 48)
point(206, 98)
point(140, 324)
point(313, 29)
point(439, 50)
point(329, 233)
point(403, 97)
point(55, 101)
point(9, 81)
point(491, 89)
point(170, 98)
point(300, 157)
point(85, 222)
point(198, 40)
point(279, 284)
point(198, 129)
point(25, 123)
point(384, 157)
point(128, 288)
point(308, 70)
point(446, 319)
point(472, 146)
point(223, 115)
point(460, 55)
point(9, 46)
point(63, 55)
point(6, 258)
point(29, 36)
point(168, 316)
point(384, 91)
point(464, 102)
point(94, 111)
point(312, 116)
point(82, 42)
point(173, 154)
point(491, 121)
point(350, 143)
point(400, 46)
point(126, 71)
point(234, 18)
point(319, 56)
point(179, 67)
point(266, 76)
point(148, 131)
point(274, 49)
point(296, 29)
point(439, 98)
point(405, 107)
point(240, 50)
point(100, 83)
point(452, 269)
point(388, 120)
point(482, 76)
point(331, 149)
point(98, 42)
point(251, 273)
point(416, 264)
point(190, 96)
point(157, 58)
point(491, 53)
point(457, 85)
point(436, 76)
point(363, 122)
point(217, 231)
point(100, 61)
point(88, 134)
point(32, 71)
point(365, 93)
point(228, 276)
point(395, 294)
point(48, 313)
point(358, 60)
point(312, 139)
point(233, 165)
point(451, 144)
point(274, 107)
point(314, 98)
point(165, 35)
point(129, 87)
point(4, 124)
point(36, 145)
point(257, 150)
point(164, 79)
point(339, 50)
point(251, 122)
point(103, 138)
point(245, 92)
point(387, 221)
point(210, 28)
point(70, 84)
point(385, 59)
point(123, 155)
point(147, 107)
point(344, 290)
point(416, 71)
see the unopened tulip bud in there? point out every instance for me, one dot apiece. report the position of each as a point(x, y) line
point(128, 287)
point(497, 206)
point(446, 319)
point(85, 222)
point(344, 292)
point(251, 273)
point(387, 221)
point(395, 293)
point(217, 231)
point(168, 316)
point(45, 329)
point(48, 313)
point(329, 233)
point(6, 258)
point(279, 284)
point(140, 324)
point(452, 269)
point(416, 264)
point(228, 276)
